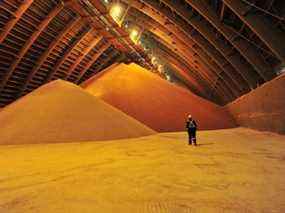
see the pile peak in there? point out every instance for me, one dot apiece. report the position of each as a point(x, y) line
point(63, 112)
point(157, 103)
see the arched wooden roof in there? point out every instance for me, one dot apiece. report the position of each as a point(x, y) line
point(220, 49)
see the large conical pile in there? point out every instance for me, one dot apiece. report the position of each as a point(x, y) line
point(63, 112)
point(153, 101)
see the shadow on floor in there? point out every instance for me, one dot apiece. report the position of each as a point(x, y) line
point(204, 144)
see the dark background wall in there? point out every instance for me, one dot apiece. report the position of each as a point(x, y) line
point(263, 108)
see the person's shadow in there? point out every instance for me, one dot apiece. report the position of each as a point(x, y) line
point(204, 144)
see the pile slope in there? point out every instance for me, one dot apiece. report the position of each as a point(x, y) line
point(63, 112)
point(153, 101)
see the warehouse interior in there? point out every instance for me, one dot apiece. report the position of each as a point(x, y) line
point(95, 94)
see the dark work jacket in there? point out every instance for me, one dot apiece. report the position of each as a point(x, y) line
point(191, 126)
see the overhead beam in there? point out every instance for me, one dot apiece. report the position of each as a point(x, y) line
point(17, 16)
point(185, 34)
point(61, 61)
point(227, 81)
point(223, 9)
point(184, 52)
point(224, 65)
point(47, 52)
point(170, 53)
point(245, 48)
point(170, 58)
point(93, 60)
point(83, 55)
point(29, 43)
point(270, 35)
point(179, 40)
point(107, 60)
point(178, 69)
point(201, 26)
point(209, 73)
point(172, 41)
point(182, 70)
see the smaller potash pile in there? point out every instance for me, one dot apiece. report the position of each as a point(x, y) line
point(63, 112)
point(153, 101)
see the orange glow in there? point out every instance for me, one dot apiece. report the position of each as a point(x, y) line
point(117, 12)
point(154, 60)
point(62, 112)
point(164, 106)
point(160, 68)
point(135, 35)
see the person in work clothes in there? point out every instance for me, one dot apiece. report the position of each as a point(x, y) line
point(191, 127)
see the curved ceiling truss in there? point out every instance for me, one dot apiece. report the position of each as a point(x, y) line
point(220, 49)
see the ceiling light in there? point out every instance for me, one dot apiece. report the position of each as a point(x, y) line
point(160, 68)
point(153, 60)
point(117, 12)
point(135, 35)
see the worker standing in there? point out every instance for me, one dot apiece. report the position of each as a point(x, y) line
point(191, 127)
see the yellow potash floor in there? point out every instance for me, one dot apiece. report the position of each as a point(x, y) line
point(235, 170)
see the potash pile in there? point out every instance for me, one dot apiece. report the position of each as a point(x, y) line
point(63, 112)
point(157, 103)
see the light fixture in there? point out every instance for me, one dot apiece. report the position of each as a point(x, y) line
point(153, 60)
point(168, 77)
point(135, 35)
point(160, 68)
point(117, 12)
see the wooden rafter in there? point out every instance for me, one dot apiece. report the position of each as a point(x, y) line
point(93, 60)
point(29, 43)
point(83, 55)
point(250, 53)
point(67, 54)
point(17, 16)
point(188, 60)
point(274, 39)
point(223, 9)
point(201, 28)
point(185, 34)
point(48, 51)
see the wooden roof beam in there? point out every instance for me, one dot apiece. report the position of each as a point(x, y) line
point(83, 55)
point(185, 34)
point(93, 60)
point(68, 52)
point(174, 43)
point(223, 9)
point(200, 26)
point(186, 53)
point(29, 43)
point(189, 54)
point(103, 62)
point(245, 48)
point(274, 39)
point(17, 16)
point(172, 59)
point(48, 51)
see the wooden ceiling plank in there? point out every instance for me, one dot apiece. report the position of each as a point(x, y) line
point(83, 55)
point(93, 60)
point(274, 39)
point(17, 16)
point(47, 53)
point(29, 43)
point(249, 52)
point(63, 58)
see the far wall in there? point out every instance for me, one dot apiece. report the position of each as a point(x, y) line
point(263, 108)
